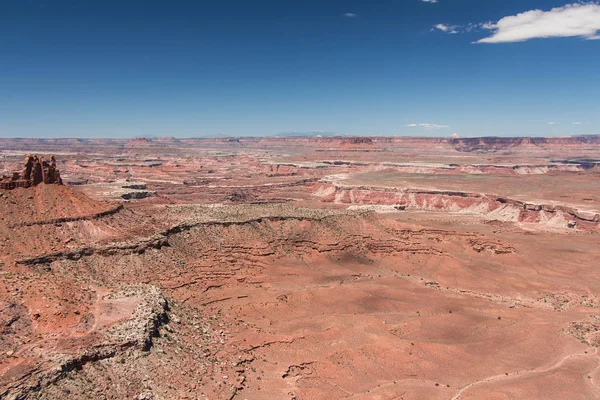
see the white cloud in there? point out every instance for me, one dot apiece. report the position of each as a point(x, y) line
point(553, 123)
point(577, 123)
point(571, 20)
point(427, 126)
point(429, 1)
point(350, 15)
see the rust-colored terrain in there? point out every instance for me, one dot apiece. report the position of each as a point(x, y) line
point(300, 268)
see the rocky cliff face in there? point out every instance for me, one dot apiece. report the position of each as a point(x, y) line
point(36, 170)
point(489, 206)
point(492, 144)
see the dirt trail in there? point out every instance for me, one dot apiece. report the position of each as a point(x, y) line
point(521, 374)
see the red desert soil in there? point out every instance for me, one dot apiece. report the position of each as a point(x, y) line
point(302, 269)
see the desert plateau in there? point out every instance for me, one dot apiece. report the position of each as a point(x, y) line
point(300, 268)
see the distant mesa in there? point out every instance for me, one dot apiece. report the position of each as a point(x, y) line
point(165, 139)
point(141, 141)
point(36, 170)
point(357, 140)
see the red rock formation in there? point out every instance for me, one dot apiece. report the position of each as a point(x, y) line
point(36, 170)
point(138, 142)
point(53, 175)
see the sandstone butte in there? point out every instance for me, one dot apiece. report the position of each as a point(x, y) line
point(35, 171)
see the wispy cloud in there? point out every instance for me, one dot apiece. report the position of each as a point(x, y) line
point(427, 126)
point(577, 123)
point(553, 123)
point(429, 1)
point(452, 29)
point(447, 28)
point(350, 15)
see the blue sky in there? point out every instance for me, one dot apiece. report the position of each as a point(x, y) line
point(193, 68)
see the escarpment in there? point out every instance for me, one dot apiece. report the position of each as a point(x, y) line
point(488, 205)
